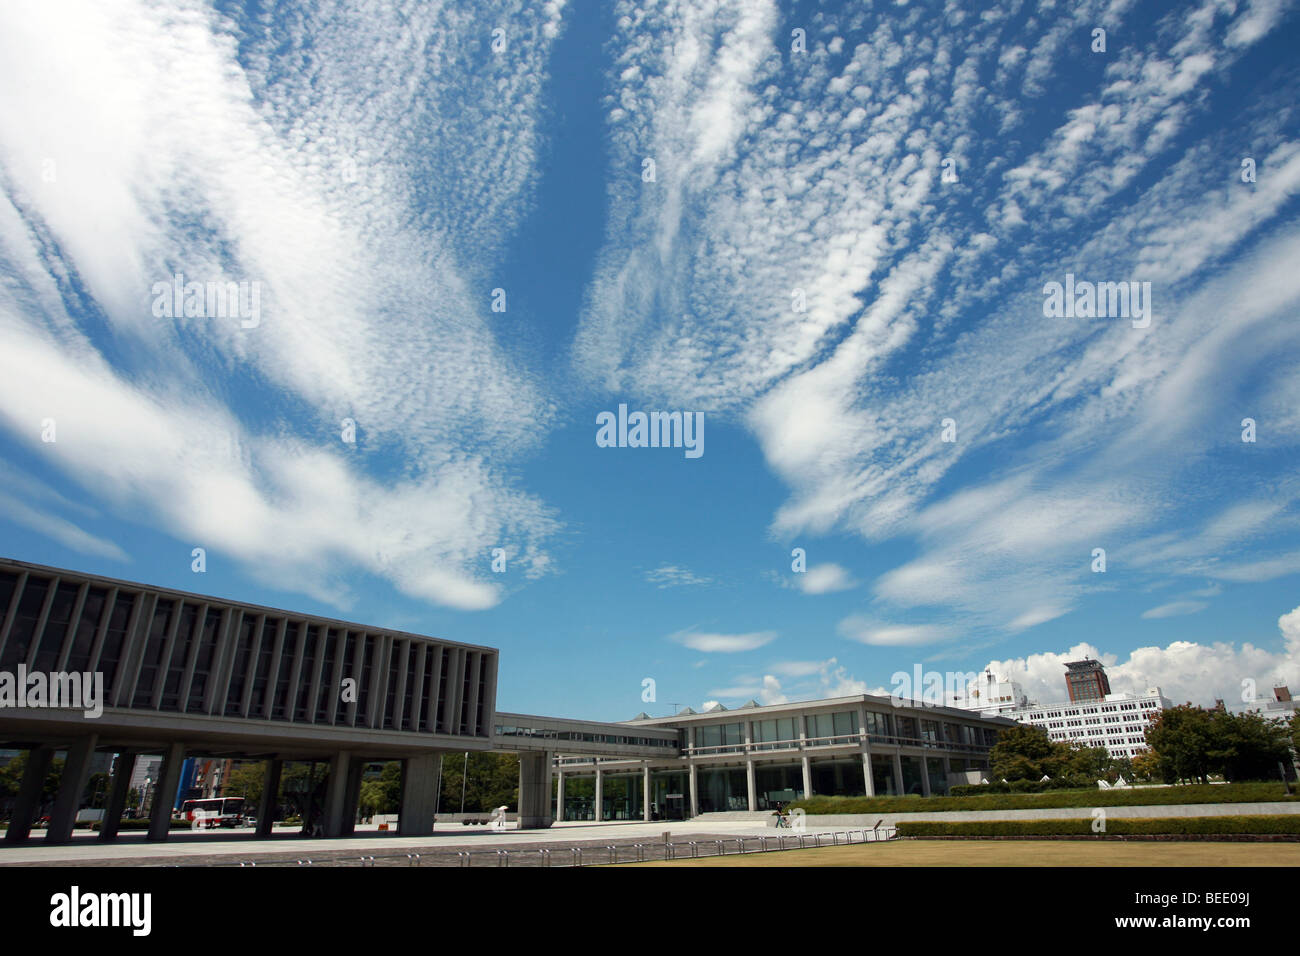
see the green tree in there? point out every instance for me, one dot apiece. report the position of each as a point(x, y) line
point(1183, 738)
point(382, 794)
point(1024, 752)
point(493, 781)
point(1247, 746)
point(1087, 765)
point(245, 780)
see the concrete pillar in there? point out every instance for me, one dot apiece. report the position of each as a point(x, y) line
point(29, 793)
point(164, 794)
point(419, 795)
point(807, 777)
point(752, 785)
point(336, 793)
point(270, 801)
point(898, 773)
point(645, 794)
point(535, 790)
point(76, 771)
point(600, 794)
point(352, 795)
point(925, 775)
point(559, 796)
point(117, 794)
point(870, 777)
point(695, 791)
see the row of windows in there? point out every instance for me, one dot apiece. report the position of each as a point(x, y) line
point(171, 652)
point(545, 733)
point(836, 727)
point(1048, 714)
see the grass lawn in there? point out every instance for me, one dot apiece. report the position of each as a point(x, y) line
point(1014, 853)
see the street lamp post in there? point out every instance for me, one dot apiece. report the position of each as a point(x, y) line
point(464, 775)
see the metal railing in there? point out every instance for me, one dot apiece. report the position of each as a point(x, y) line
point(611, 853)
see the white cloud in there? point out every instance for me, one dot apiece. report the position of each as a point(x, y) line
point(671, 576)
point(1183, 670)
point(368, 195)
point(723, 643)
point(868, 631)
point(1175, 609)
point(824, 579)
point(1086, 434)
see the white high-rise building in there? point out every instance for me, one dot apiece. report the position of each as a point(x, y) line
point(1118, 722)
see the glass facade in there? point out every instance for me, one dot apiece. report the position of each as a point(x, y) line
point(721, 738)
point(779, 733)
point(882, 775)
point(778, 784)
point(839, 778)
point(670, 795)
point(840, 727)
point(879, 725)
point(938, 778)
point(912, 775)
point(722, 788)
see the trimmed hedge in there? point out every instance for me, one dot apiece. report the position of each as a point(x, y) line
point(1135, 797)
point(1282, 823)
point(1021, 786)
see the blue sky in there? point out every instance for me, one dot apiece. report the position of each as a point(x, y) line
point(799, 269)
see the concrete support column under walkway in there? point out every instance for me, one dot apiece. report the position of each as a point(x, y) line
point(600, 794)
point(123, 769)
point(352, 794)
point(645, 793)
point(270, 801)
point(29, 793)
point(336, 793)
point(419, 795)
point(807, 777)
point(751, 785)
point(898, 773)
point(695, 791)
point(925, 775)
point(164, 793)
point(535, 790)
point(559, 796)
point(76, 771)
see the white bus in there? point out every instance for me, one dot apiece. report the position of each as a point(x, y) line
point(214, 812)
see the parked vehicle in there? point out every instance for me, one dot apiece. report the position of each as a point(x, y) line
point(214, 812)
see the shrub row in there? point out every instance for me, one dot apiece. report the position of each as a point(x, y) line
point(1136, 797)
point(1022, 786)
point(1282, 823)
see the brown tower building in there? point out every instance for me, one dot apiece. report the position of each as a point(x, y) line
point(1086, 680)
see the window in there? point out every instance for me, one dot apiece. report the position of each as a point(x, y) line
point(728, 737)
point(775, 734)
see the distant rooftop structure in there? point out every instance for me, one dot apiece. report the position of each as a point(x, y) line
point(1086, 680)
point(1281, 707)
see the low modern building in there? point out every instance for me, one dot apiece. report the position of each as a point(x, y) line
point(756, 758)
point(186, 677)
